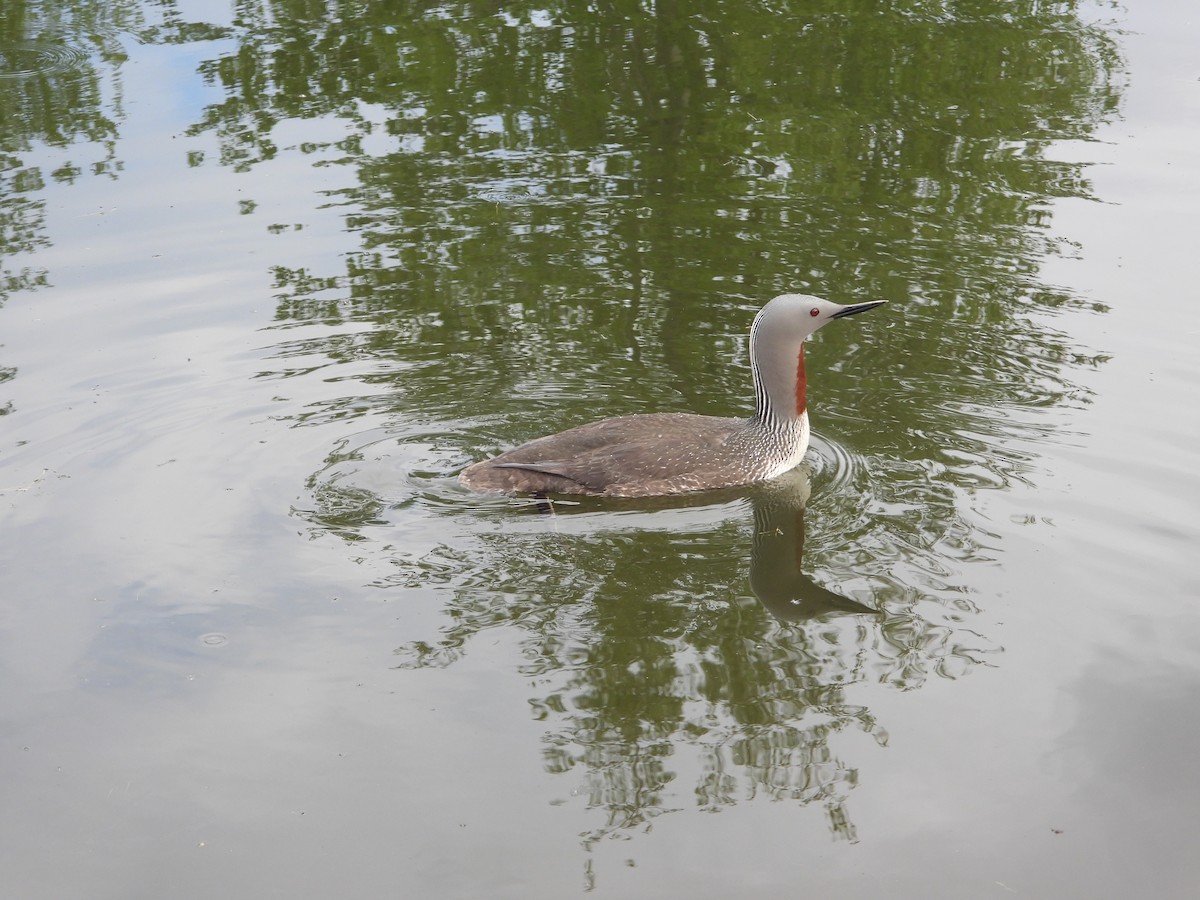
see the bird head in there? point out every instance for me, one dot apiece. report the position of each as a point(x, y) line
point(793, 317)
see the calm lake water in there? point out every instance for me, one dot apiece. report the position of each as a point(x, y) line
point(271, 274)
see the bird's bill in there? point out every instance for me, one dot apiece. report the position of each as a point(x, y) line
point(855, 308)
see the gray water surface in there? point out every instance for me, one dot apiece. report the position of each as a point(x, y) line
point(271, 275)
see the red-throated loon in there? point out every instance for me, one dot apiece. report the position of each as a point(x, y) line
point(671, 453)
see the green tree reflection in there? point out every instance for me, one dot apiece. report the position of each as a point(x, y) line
point(641, 642)
point(624, 158)
point(563, 211)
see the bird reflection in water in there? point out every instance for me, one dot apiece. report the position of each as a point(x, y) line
point(777, 575)
point(777, 556)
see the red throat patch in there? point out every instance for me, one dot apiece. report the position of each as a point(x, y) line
point(801, 383)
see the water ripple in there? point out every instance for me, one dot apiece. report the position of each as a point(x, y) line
point(834, 466)
point(26, 59)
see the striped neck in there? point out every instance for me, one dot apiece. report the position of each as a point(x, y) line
point(780, 387)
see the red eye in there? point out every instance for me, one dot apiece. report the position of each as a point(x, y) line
point(814, 312)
